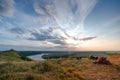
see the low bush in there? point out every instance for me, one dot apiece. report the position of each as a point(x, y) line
point(43, 67)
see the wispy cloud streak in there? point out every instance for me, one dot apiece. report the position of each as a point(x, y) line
point(56, 21)
point(70, 18)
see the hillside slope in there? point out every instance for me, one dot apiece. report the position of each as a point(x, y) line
point(12, 55)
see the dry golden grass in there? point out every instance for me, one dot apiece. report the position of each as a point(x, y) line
point(115, 59)
point(61, 69)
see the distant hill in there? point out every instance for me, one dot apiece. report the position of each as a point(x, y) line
point(12, 55)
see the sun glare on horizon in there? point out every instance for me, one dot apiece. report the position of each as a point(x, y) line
point(60, 24)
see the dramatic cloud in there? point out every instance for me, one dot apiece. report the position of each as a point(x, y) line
point(59, 21)
point(72, 16)
point(41, 36)
point(7, 8)
point(68, 20)
point(58, 24)
point(58, 41)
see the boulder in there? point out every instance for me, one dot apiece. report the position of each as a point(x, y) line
point(102, 60)
point(93, 57)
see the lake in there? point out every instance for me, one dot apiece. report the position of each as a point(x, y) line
point(37, 57)
point(43, 56)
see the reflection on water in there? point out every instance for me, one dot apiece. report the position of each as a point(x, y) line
point(37, 57)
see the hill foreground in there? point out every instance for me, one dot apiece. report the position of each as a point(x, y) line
point(61, 69)
point(12, 55)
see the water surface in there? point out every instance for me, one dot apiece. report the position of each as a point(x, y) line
point(37, 57)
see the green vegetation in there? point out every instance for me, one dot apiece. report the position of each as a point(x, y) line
point(46, 70)
point(12, 55)
point(57, 69)
point(73, 54)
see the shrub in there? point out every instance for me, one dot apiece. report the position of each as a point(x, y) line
point(10, 68)
point(25, 58)
point(43, 67)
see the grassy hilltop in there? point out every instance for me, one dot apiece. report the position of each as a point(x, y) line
point(57, 69)
point(12, 55)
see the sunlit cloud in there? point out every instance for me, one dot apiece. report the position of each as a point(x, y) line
point(75, 13)
point(72, 21)
point(57, 24)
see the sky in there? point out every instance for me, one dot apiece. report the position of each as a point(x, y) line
point(63, 25)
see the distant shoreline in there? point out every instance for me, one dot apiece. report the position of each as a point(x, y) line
point(44, 56)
